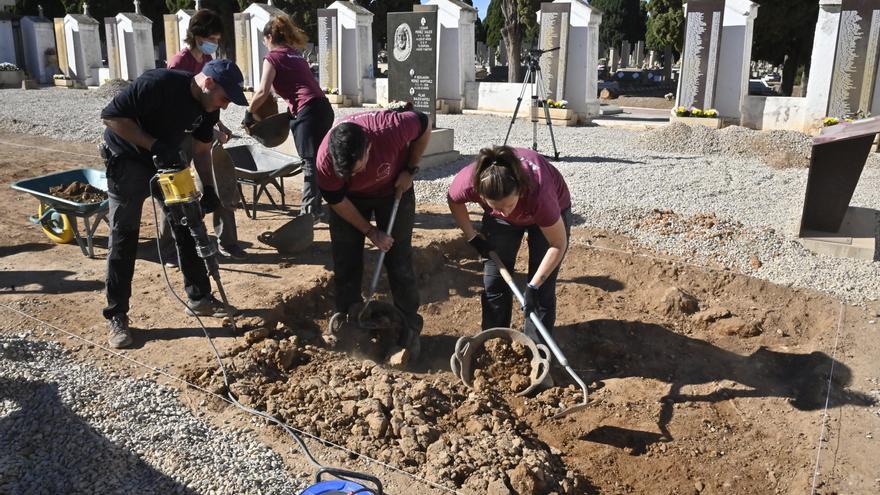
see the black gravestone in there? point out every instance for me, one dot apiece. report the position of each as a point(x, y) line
point(856, 58)
point(412, 59)
point(839, 155)
point(702, 47)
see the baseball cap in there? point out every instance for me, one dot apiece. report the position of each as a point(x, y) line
point(225, 73)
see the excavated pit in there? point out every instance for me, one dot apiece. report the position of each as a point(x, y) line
point(695, 373)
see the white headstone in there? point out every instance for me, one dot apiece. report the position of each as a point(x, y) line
point(554, 38)
point(183, 18)
point(639, 54)
point(134, 34)
point(260, 14)
point(7, 43)
point(355, 25)
point(582, 59)
point(38, 42)
point(456, 48)
point(625, 51)
point(328, 48)
point(83, 48)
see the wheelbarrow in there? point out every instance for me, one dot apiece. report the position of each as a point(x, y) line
point(259, 168)
point(58, 216)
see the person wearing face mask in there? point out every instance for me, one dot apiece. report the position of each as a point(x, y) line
point(151, 118)
point(202, 40)
point(287, 72)
point(520, 192)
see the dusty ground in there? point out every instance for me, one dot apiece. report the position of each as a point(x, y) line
point(705, 381)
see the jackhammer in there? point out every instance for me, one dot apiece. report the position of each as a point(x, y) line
point(180, 200)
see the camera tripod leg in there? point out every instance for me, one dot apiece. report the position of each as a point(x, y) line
point(522, 93)
point(540, 86)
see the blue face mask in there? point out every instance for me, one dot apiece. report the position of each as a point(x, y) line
point(207, 47)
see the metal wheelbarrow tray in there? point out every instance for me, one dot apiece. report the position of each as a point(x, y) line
point(259, 167)
point(52, 206)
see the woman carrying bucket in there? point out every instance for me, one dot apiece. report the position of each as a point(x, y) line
point(520, 192)
point(287, 72)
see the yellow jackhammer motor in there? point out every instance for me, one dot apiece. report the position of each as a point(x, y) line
point(180, 198)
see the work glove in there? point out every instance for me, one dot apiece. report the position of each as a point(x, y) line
point(248, 121)
point(165, 156)
point(482, 245)
point(210, 201)
point(531, 297)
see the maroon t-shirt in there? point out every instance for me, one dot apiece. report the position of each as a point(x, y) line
point(294, 80)
point(389, 133)
point(548, 193)
point(184, 60)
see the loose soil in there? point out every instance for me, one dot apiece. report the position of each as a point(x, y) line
point(705, 381)
point(78, 192)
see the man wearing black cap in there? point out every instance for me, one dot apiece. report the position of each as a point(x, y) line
point(151, 118)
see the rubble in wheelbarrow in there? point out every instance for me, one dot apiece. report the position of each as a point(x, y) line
point(78, 192)
point(436, 428)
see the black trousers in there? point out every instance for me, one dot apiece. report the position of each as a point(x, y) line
point(128, 184)
point(309, 126)
point(497, 300)
point(347, 245)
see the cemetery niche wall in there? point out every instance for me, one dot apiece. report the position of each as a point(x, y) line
point(38, 42)
point(579, 66)
point(843, 72)
point(134, 35)
point(83, 48)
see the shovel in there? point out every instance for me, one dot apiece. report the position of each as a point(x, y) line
point(557, 353)
point(361, 321)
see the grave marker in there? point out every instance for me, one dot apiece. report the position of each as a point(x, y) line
point(328, 46)
point(856, 58)
point(412, 60)
point(554, 34)
point(702, 45)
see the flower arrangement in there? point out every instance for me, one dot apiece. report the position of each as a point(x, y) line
point(6, 66)
point(557, 103)
point(330, 91)
point(708, 113)
point(61, 77)
point(830, 121)
point(399, 106)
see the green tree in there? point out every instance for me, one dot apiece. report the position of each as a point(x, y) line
point(622, 20)
point(783, 34)
point(493, 23)
point(665, 24)
point(174, 5)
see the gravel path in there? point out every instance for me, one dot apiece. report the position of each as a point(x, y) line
point(618, 180)
point(69, 427)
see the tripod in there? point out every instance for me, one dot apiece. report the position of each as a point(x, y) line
point(536, 80)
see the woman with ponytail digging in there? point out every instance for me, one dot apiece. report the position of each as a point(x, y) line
point(520, 192)
point(287, 72)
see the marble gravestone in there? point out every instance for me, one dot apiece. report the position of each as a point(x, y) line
point(259, 16)
point(625, 51)
point(113, 62)
point(554, 34)
point(355, 51)
point(7, 43)
point(854, 75)
point(328, 48)
point(242, 32)
point(38, 41)
point(83, 44)
point(134, 33)
point(61, 46)
point(828, 224)
point(699, 61)
point(412, 60)
point(639, 54)
point(456, 51)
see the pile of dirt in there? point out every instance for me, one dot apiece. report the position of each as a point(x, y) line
point(111, 88)
point(777, 148)
point(432, 427)
point(699, 226)
point(502, 365)
point(78, 192)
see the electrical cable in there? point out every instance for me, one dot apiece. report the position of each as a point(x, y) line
point(827, 400)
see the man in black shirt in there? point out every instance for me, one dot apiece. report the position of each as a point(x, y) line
point(151, 118)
